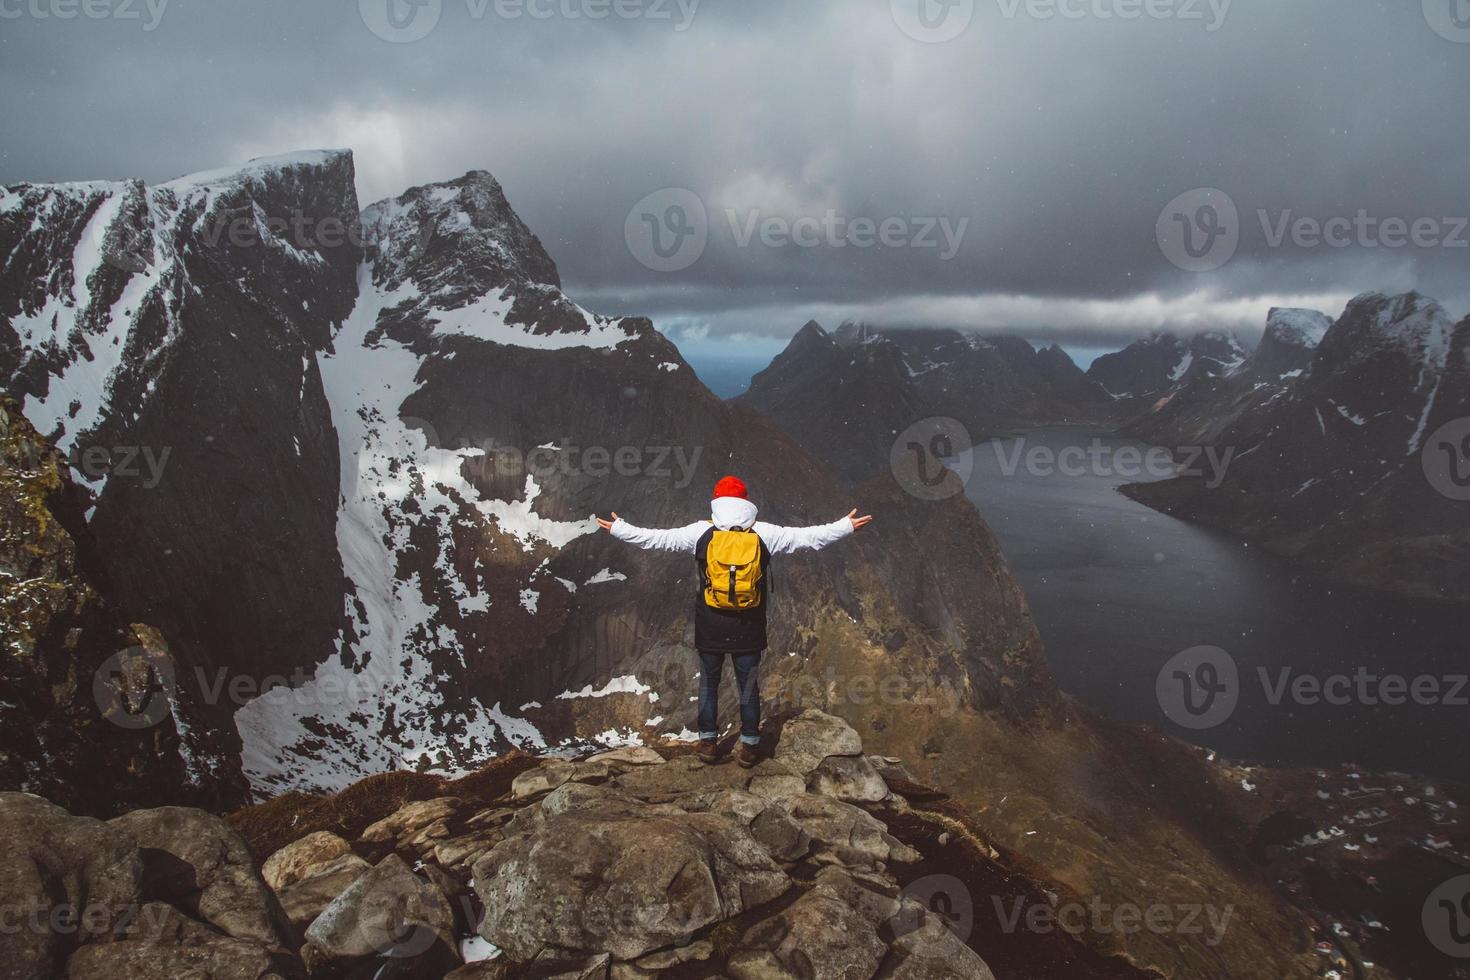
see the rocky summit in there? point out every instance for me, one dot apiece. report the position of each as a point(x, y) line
point(820, 862)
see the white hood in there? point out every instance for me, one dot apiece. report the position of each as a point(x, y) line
point(732, 512)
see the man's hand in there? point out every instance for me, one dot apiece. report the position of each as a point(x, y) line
point(858, 523)
point(607, 525)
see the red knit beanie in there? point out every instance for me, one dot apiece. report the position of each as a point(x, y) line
point(731, 486)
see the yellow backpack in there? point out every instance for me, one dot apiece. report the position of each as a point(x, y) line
point(732, 569)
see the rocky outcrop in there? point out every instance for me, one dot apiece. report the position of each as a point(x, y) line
point(1351, 470)
point(153, 893)
point(86, 718)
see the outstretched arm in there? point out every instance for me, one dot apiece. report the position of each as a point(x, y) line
point(654, 539)
point(784, 540)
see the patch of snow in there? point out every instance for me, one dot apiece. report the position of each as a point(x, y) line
point(606, 575)
point(477, 950)
point(627, 684)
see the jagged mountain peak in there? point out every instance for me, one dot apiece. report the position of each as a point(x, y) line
point(460, 235)
point(1373, 322)
point(852, 333)
point(1295, 327)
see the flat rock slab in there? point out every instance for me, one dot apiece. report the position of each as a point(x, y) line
point(687, 775)
point(302, 858)
point(627, 878)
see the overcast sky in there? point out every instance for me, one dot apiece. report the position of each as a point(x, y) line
point(1048, 146)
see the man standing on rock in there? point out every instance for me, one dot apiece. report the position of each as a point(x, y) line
point(733, 553)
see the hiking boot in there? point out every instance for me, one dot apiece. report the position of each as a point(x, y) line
point(709, 751)
point(748, 756)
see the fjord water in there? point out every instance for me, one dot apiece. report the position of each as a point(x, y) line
point(1118, 589)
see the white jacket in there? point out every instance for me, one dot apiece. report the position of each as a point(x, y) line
point(733, 512)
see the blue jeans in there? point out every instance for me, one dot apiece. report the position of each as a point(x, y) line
point(712, 665)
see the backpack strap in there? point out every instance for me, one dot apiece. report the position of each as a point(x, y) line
point(701, 559)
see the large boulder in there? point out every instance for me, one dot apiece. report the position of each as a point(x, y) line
point(814, 735)
point(620, 876)
point(198, 862)
point(53, 863)
point(930, 951)
point(308, 898)
point(387, 911)
point(409, 820)
point(818, 937)
point(303, 858)
point(849, 777)
point(845, 833)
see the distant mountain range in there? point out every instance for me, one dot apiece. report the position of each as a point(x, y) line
point(1351, 444)
point(847, 394)
point(1332, 427)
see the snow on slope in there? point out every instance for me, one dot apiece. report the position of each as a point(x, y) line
point(388, 679)
point(75, 334)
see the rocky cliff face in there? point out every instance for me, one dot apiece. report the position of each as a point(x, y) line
point(166, 337)
point(82, 720)
point(847, 395)
point(1351, 468)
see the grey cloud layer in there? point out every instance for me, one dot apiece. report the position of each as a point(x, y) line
point(1056, 139)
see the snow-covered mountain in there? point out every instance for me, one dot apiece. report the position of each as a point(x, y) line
point(1332, 459)
point(1213, 395)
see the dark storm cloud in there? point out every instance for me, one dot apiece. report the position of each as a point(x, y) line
point(838, 160)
